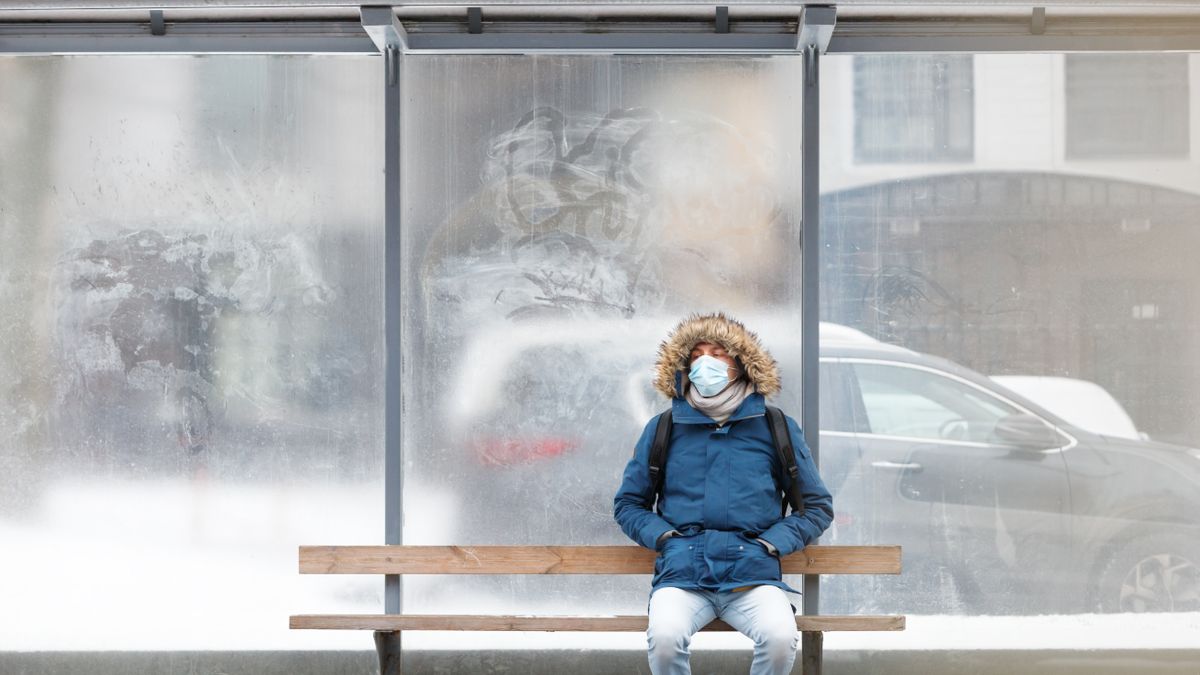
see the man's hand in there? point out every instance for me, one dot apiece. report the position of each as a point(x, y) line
point(770, 547)
point(662, 539)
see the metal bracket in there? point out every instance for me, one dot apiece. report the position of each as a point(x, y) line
point(384, 29)
point(810, 65)
point(389, 37)
point(474, 20)
point(1037, 22)
point(722, 19)
point(816, 27)
point(391, 61)
point(158, 23)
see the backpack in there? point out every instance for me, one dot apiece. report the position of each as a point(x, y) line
point(776, 422)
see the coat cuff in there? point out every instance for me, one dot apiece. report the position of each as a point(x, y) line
point(662, 538)
point(653, 531)
point(785, 541)
point(769, 546)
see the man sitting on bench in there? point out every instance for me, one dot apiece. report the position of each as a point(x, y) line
point(716, 465)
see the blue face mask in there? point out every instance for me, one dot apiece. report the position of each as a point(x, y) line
point(710, 375)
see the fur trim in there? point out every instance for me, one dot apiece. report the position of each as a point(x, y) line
point(717, 328)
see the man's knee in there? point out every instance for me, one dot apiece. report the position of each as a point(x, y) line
point(668, 632)
point(779, 640)
point(667, 642)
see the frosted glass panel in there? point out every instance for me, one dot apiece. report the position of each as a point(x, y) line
point(190, 283)
point(561, 214)
point(1035, 451)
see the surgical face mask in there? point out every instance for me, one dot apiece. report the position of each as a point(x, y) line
point(710, 375)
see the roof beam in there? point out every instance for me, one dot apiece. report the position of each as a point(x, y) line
point(738, 31)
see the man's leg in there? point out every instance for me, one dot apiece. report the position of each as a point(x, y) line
point(764, 615)
point(675, 616)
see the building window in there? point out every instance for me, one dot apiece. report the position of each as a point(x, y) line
point(914, 108)
point(1126, 105)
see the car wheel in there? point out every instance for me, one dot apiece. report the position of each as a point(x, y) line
point(1154, 573)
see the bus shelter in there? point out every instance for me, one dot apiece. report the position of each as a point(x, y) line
point(277, 273)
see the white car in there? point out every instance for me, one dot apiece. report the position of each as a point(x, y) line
point(1084, 404)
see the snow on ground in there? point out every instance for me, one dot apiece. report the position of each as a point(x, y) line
point(1086, 632)
point(179, 565)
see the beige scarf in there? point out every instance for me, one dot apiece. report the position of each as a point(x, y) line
point(723, 404)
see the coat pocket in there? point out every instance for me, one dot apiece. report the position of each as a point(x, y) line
point(753, 562)
point(675, 562)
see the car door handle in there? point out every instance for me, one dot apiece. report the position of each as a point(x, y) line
point(906, 466)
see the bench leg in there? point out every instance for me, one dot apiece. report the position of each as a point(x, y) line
point(387, 644)
point(811, 645)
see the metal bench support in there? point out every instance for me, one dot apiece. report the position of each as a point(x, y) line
point(811, 645)
point(387, 644)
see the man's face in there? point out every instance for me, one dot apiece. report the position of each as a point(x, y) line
point(717, 352)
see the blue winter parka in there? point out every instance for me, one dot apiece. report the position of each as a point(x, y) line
point(721, 492)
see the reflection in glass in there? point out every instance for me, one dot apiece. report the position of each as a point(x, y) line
point(1127, 106)
point(1070, 281)
point(913, 107)
point(562, 214)
point(911, 402)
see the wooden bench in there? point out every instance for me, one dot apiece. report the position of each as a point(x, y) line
point(563, 560)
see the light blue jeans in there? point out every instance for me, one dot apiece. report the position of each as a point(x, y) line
point(762, 614)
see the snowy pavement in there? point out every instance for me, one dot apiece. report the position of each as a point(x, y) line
point(178, 565)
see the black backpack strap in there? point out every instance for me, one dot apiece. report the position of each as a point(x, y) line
point(658, 456)
point(777, 423)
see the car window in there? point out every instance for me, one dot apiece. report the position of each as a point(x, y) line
point(918, 403)
point(838, 402)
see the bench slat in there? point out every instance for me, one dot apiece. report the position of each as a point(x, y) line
point(389, 622)
point(564, 560)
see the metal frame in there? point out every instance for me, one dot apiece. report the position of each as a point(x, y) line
point(307, 37)
point(589, 7)
point(18, 39)
point(605, 43)
point(521, 27)
point(813, 38)
point(390, 39)
point(813, 32)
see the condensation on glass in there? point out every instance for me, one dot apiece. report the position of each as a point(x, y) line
point(1018, 407)
point(561, 214)
point(190, 284)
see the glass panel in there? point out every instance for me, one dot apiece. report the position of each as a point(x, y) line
point(190, 281)
point(561, 215)
point(1048, 475)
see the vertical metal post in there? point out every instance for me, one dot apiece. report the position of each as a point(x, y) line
point(393, 448)
point(388, 34)
point(810, 316)
point(815, 30)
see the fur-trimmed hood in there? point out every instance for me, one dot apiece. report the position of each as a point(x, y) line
point(673, 353)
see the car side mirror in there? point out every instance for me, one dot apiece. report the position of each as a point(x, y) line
point(1027, 432)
